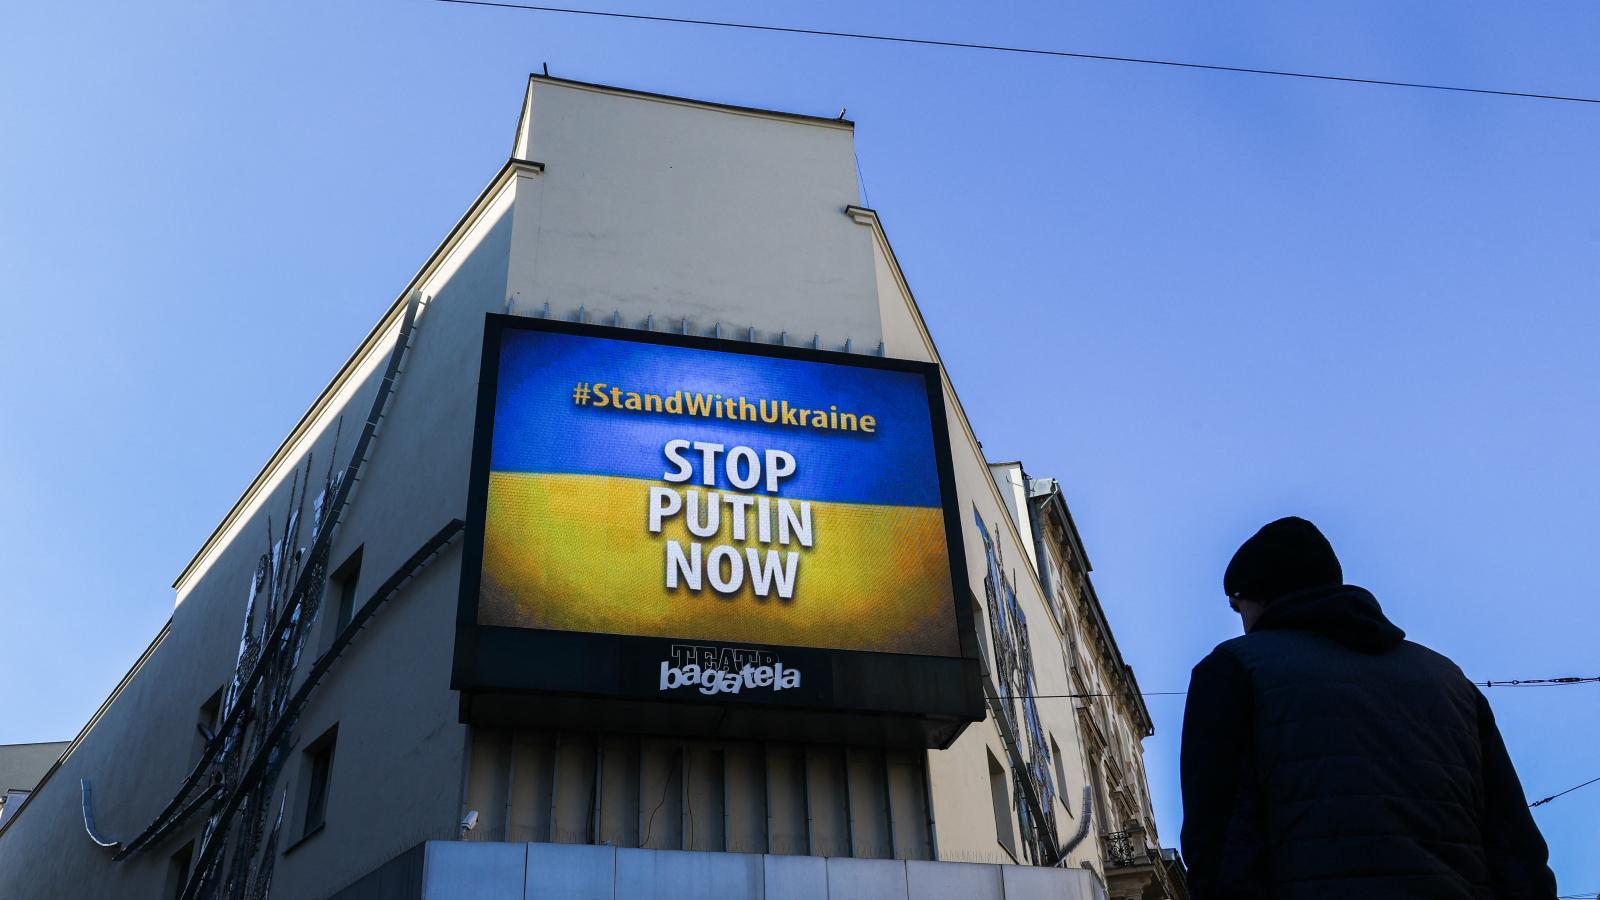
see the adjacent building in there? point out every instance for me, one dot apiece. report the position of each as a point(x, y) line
point(21, 767)
point(425, 654)
point(1113, 720)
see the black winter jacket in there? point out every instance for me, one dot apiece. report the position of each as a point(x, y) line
point(1325, 756)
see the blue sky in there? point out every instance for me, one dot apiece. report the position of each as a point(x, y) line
point(1202, 300)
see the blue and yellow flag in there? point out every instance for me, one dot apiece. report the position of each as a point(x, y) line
point(668, 491)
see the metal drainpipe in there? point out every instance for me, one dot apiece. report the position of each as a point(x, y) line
point(766, 783)
point(888, 805)
point(466, 777)
point(599, 785)
point(727, 808)
point(555, 784)
point(805, 793)
point(511, 784)
point(685, 827)
point(640, 827)
point(849, 801)
point(1083, 826)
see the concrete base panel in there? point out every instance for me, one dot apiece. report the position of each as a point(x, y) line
point(457, 870)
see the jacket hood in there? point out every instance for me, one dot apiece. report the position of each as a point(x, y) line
point(1348, 614)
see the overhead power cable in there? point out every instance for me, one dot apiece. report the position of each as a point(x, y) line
point(1535, 682)
point(1563, 793)
point(1030, 51)
point(1563, 681)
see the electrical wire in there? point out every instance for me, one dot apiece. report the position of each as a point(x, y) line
point(1563, 793)
point(650, 824)
point(1539, 682)
point(1563, 681)
point(1031, 51)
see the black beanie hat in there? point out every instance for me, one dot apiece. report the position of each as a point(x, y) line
point(1284, 556)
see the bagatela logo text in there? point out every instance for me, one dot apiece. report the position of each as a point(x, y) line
point(709, 680)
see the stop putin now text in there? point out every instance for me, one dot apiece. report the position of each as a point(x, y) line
point(709, 514)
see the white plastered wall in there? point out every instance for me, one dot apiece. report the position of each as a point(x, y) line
point(678, 210)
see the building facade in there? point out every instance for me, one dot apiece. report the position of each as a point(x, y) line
point(294, 731)
point(1112, 717)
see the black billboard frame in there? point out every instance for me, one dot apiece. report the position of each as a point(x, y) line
point(895, 699)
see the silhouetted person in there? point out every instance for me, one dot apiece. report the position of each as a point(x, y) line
point(1325, 756)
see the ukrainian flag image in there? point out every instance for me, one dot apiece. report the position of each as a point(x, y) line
point(834, 530)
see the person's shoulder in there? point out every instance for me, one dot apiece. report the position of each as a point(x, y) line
point(1240, 646)
point(1238, 649)
point(1223, 657)
point(1429, 656)
point(1224, 650)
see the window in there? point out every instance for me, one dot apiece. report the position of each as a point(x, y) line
point(1056, 590)
point(207, 720)
point(342, 591)
point(318, 769)
point(1005, 831)
point(1101, 795)
point(178, 871)
point(1061, 777)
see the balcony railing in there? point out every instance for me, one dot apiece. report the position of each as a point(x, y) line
point(1126, 848)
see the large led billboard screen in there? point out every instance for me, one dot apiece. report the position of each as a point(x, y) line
point(723, 521)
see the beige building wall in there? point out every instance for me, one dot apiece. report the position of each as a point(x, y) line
point(692, 216)
point(963, 811)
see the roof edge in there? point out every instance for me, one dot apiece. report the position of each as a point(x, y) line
point(1057, 503)
point(868, 216)
point(501, 179)
point(838, 122)
point(88, 726)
